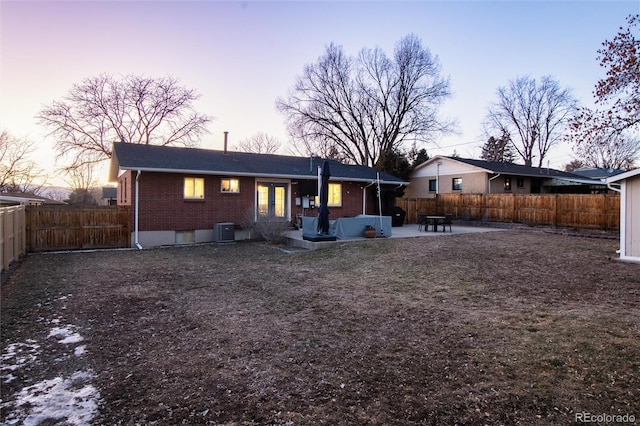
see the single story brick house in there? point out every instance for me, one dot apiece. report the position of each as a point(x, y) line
point(629, 214)
point(446, 175)
point(178, 195)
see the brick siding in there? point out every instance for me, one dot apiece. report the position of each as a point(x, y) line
point(162, 205)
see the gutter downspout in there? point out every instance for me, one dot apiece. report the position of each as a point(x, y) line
point(623, 231)
point(496, 176)
point(135, 225)
point(618, 190)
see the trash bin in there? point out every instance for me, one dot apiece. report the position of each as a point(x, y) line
point(398, 216)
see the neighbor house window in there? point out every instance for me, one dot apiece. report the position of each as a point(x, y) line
point(433, 185)
point(230, 185)
point(456, 184)
point(520, 183)
point(193, 188)
point(507, 184)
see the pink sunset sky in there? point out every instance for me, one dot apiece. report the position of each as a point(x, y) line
point(241, 56)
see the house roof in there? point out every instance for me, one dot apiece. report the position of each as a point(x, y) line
point(498, 167)
point(596, 172)
point(153, 158)
point(109, 193)
point(625, 175)
point(24, 198)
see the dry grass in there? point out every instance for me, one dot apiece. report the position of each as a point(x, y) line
point(508, 327)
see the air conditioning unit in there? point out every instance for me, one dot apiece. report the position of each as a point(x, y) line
point(224, 232)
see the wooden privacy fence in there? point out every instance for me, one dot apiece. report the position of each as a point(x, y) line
point(59, 227)
point(13, 235)
point(598, 211)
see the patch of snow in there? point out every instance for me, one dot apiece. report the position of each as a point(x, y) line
point(65, 335)
point(73, 399)
point(19, 354)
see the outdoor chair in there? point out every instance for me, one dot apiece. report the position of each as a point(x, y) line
point(422, 221)
point(448, 219)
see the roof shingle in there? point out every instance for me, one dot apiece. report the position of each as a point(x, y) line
point(129, 156)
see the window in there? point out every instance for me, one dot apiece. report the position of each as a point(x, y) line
point(123, 190)
point(520, 182)
point(185, 237)
point(456, 184)
point(507, 184)
point(230, 185)
point(433, 185)
point(193, 188)
point(335, 194)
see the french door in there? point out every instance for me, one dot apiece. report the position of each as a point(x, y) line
point(272, 200)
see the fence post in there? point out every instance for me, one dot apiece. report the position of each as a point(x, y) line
point(32, 227)
point(3, 212)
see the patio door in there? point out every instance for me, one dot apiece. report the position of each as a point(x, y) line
point(272, 200)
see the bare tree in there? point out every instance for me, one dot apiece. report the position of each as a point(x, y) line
point(260, 143)
point(18, 172)
point(532, 114)
point(364, 108)
point(102, 110)
point(610, 134)
point(621, 59)
point(607, 148)
point(83, 184)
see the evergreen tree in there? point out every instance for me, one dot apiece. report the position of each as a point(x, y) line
point(500, 150)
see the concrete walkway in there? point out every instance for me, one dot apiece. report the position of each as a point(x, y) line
point(294, 238)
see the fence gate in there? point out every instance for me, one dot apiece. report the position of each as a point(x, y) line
point(70, 228)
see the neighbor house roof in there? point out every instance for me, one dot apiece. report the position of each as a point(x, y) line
point(625, 175)
point(109, 193)
point(498, 167)
point(597, 172)
point(153, 158)
point(24, 198)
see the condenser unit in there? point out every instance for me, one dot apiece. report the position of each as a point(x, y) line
point(223, 232)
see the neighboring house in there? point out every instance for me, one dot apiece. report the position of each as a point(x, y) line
point(15, 198)
point(596, 173)
point(446, 175)
point(178, 195)
point(109, 196)
point(629, 214)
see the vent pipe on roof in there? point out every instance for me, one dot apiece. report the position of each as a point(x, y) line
point(226, 136)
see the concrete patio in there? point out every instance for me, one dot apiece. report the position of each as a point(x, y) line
point(294, 238)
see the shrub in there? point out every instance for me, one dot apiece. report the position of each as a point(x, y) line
point(266, 229)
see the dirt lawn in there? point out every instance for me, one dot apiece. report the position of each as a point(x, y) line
point(510, 327)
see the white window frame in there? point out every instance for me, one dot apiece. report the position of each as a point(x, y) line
point(339, 185)
point(230, 191)
point(195, 195)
